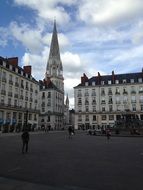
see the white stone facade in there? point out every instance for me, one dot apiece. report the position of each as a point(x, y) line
point(51, 104)
point(18, 96)
point(101, 100)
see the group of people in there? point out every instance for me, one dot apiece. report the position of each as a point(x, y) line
point(25, 137)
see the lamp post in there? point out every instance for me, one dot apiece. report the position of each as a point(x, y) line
point(26, 124)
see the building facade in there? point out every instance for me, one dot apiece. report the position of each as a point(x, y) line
point(51, 94)
point(18, 96)
point(103, 100)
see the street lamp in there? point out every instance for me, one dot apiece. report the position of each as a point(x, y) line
point(26, 123)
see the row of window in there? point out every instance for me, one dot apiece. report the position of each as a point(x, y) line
point(117, 100)
point(109, 82)
point(12, 80)
point(17, 116)
point(17, 103)
point(94, 117)
point(104, 117)
point(118, 91)
point(110, 108)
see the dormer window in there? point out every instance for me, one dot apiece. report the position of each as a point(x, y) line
point(102, 82)
point(132, 81)
point(124, 81)
point(86, 83)
point(116, 81)
point(93, 83)
point(109, 82)
point(139, 80)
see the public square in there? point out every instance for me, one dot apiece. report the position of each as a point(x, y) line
point(55, 162)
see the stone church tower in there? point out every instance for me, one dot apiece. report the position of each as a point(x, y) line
point(52, 89)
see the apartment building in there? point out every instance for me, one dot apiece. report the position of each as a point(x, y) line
point(18, 96)
point(101, 101)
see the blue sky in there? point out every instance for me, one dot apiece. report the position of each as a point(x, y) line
point(94, 36)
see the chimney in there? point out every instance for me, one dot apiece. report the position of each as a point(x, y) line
point(13, 61)
point(47, 81)
point(84, 78)
point(27, 69)
point(113, 77)
point(99, 78)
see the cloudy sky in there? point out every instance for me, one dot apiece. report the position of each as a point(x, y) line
point(94, 36)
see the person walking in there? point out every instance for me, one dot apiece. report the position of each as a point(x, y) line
point(108, 134)
point(70, 130)
point(25, 141)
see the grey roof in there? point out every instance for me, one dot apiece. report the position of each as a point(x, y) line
point(112, 78)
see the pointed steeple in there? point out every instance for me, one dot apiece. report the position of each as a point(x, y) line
point(54, 55)
point(54, 70)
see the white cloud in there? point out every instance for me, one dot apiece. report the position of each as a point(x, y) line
point(38, 63)
point(86, 47)
point(30, 38)
point(3, 37)
point(49, 9)
point(103, 12)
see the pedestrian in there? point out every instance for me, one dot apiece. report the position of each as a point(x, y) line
point(108, 133)
point(70, 131)
point(25, 140)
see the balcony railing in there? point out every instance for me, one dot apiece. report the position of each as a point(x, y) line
point(103, 102)
point(110, 93)
point(86, 94)
point(133, 92)
point(125, 92)
point(79, 95)
point(117, 93)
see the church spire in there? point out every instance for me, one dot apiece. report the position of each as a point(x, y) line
point(54, 54)
point(54, 70)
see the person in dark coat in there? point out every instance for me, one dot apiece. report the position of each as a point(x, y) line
point(25, 140)
point(70, 131)
point(108, 133)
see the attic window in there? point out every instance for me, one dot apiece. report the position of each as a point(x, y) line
point(140, 80)
point(132, 81)
point(109, 82)
point(102, 82)
point(86, 83)
point(124, 81)
point(93, 83)
point(116, 81)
